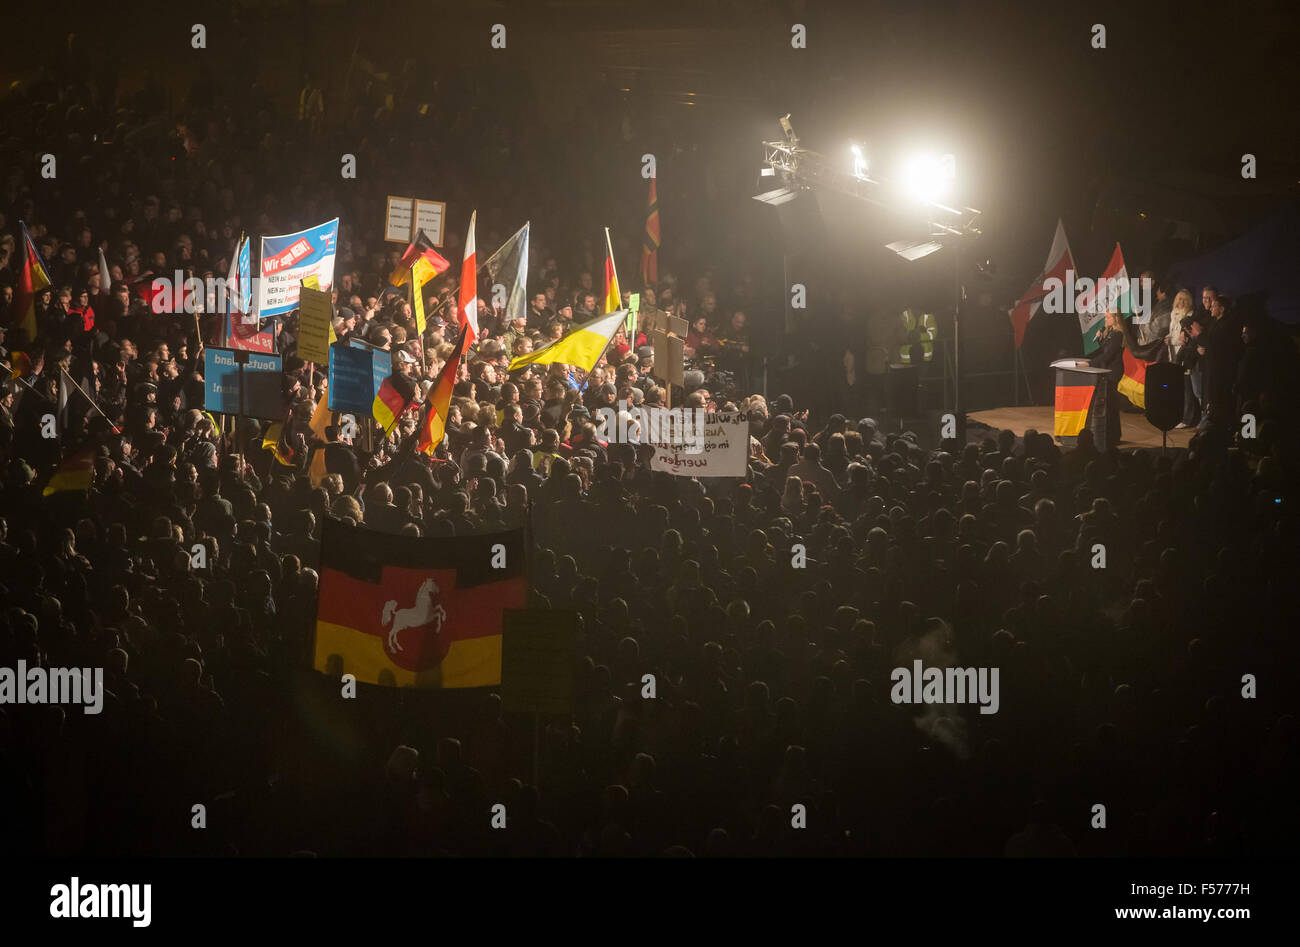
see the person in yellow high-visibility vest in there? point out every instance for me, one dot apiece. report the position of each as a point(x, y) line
point(915, 330)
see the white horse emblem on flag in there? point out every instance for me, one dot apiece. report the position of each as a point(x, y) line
point(426, 611)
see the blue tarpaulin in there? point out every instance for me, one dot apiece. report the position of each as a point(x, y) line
point(1260, 262)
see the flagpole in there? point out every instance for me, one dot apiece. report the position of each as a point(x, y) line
point(222, 339)
point(956, 352)
point(70, 380)
point(9, 368)
point(609, 247)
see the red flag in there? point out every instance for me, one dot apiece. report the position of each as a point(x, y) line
point(467, 302)
point(1059, 261)
point(249, 335)
point(162, 296)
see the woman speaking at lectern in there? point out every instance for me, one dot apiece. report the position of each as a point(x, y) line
point(1110, 356)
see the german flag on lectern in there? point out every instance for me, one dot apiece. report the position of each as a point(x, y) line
point(1072, 403)
point(411, 611)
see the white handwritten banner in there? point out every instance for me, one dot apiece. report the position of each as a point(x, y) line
point(724, 451)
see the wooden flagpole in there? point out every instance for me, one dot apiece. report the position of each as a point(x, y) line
point(68, 378)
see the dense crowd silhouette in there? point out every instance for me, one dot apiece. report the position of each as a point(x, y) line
point(1122, 684)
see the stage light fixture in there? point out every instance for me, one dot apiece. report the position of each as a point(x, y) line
point(777, 197)
point(928, 178)
point(859, 162)
point(913, 250)
point(915, 196)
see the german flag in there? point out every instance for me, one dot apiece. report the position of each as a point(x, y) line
point(32, 279)
point(650, 240)
point(411, 611)
point(421, 257)
point(276, 439)
point(1133, 385)
point(613, 298)
point(394, 397)
point(20, 365)
point(1072, 403)
point(435, 421)
point(77, 472)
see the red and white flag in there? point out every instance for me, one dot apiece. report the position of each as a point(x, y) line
point(467, 300)
point(1059, 259)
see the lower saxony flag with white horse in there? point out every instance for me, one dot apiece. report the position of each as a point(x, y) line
point(413, 611)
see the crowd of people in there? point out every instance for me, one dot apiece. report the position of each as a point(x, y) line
point(1235, 361)
point(770, 610)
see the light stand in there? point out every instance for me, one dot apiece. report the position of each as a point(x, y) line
point(796, 169)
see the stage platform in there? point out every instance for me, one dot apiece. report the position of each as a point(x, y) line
point(1135, 429)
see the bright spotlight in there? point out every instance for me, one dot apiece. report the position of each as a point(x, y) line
point(859, 163)
point(928, 178)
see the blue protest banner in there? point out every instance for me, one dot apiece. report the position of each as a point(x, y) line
point(289, 259)
point(262, 389)
point(383, 363)
point(352, 380)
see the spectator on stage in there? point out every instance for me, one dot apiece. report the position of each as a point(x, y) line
point(1181, 309)
point(700, 341)
point(1191, 350)
point(1208, 295)
point(1223, 348)
point(1157, 327)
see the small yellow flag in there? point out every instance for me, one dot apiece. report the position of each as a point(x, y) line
point(417, 303)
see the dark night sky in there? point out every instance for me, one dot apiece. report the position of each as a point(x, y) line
point(1039, 121)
